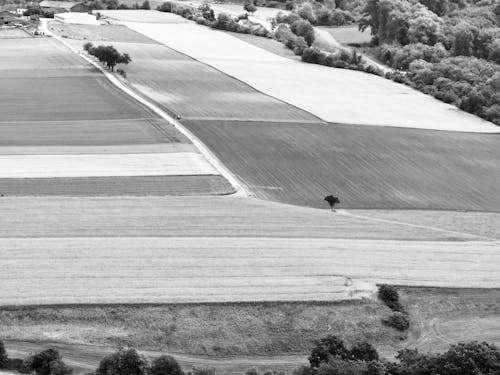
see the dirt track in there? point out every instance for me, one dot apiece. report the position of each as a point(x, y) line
point(86, 358)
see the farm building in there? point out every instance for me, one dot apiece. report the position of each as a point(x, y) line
point(76, 18)
point(7, 18)
point(63, 6)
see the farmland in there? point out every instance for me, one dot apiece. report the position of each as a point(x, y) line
point(64, 123)
point(219, 249)
point(193, 90)
point(368, 167)
point(364, 99)
point(287, 155)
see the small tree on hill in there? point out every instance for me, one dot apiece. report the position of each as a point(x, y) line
point(165, 365)
point(250, 7)
point(123, 362)
point(332, 200)
point(47, 362)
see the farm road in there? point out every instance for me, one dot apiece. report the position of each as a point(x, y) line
point(85, 358)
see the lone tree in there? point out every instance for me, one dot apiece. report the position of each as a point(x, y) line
point(107, 55)
point(332, 200)
point(250, 7)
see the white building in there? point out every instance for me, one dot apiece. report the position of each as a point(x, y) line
point(77, 18)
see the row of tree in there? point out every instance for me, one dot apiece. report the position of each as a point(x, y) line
point(108, 55)
point(329, 356)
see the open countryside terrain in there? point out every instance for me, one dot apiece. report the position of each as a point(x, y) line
point(287, 155)
point(220, 249)
point(364, 99)
point(55, 100)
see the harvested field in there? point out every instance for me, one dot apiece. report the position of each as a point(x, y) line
point(218, 249)
point(186, 87)
point(480, 223)
point(193, 185)
point(363, 99)
point(220, 269)
point(117, 186)
point(139, 131)
point(187, 217)
point(13, 33)
point(104, 165)
point(349, 34)
point(367, 167)
point(270, 45)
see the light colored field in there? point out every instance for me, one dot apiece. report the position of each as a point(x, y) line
point(139, 15)
point(363, 98)
point(102, 165)
point(121, 250)
point(217, 269)
point(367, 167)
point(349, 34)
point(193, 217)
point(480, 223)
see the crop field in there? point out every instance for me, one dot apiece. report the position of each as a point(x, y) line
point(193, 90)
point(197, 249)
point(139, 15)
point(363, 99)
point(375, 167)
point(63, 123)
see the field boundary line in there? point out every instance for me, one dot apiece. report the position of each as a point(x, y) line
point(240, 190)
point(387, 221)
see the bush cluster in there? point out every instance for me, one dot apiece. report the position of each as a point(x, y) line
point(204, 15)
point(346, 59)
point(319, 14)
point(329, 356)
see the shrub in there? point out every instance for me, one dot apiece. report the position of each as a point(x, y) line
point(314, 55)
point(3, 356)
point(165, 7)
point(363, 351)
point(165, 365)
point(47, 362)
point(306, 12)
point(123, 362)
point(398, 320)
point(289, 18)
point(305, 29)
point(204, 371)
point(390, 296)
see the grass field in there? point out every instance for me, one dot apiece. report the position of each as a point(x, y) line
point(367, 167)
point(363, 99)
point(103, 33)
point(281, 332)
point(62, 119)
point(349, 34)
